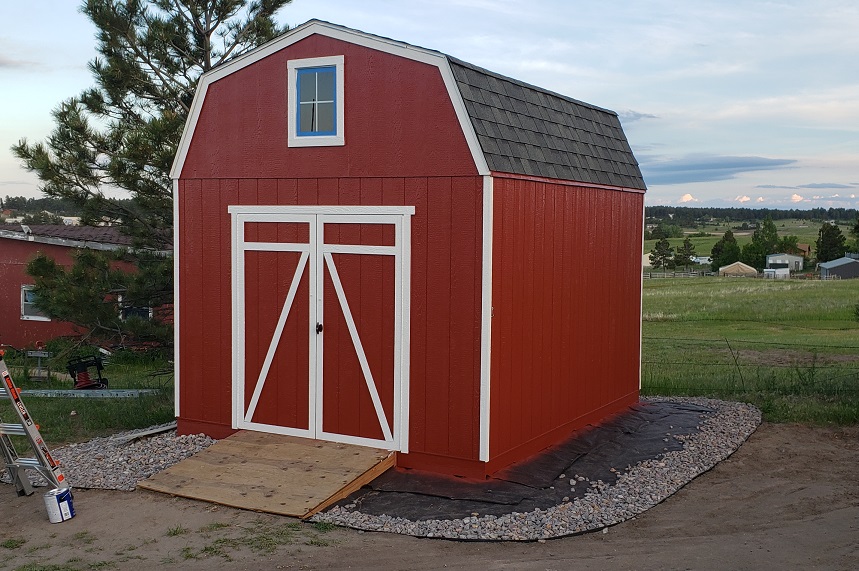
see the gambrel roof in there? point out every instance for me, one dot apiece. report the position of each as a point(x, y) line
point(510, 126)
point(531, 131)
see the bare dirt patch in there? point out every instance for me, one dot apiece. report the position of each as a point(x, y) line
point(788, 498)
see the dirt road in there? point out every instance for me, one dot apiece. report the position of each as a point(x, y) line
point(787, 499)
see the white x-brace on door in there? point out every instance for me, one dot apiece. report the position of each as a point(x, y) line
point(321, 314)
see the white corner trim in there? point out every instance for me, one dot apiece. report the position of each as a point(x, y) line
point(293, 140)
point(486, 319)
point(176, 345)
point(356, 37)
point(641, 304)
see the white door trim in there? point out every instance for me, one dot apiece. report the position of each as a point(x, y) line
point(315, 257)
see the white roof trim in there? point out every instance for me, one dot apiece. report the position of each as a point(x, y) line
point(356, 37)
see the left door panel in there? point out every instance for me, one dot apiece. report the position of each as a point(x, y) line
point(276, 321)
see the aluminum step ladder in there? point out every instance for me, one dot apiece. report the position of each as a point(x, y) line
point(17, 467)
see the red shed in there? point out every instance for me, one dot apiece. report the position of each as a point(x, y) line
point(383, 245)
point(21, 324)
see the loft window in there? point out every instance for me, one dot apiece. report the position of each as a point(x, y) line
point(315, 100)
point(317, 115)
point(29, 312)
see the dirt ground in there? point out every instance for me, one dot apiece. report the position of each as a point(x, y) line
point(787, 499)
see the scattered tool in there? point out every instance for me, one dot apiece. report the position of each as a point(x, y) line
point(42, 461)
point(79, 369)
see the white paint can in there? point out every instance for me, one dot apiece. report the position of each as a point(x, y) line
point(59, 504)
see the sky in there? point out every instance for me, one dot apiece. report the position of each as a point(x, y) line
point(725, 103)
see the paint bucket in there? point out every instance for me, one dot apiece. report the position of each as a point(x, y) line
point(59, 504)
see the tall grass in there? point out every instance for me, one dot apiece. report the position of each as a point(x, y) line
point(789, 347)
point(63, 420)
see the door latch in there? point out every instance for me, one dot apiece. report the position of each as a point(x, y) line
point(318, 328)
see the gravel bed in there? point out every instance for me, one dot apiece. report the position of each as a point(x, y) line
point(118, 462)
point(636, 490)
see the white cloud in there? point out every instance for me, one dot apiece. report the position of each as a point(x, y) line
point(796, 198)
point(760, 199)
point(742, 199)
point(687, 198)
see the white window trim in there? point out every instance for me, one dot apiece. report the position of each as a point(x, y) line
point(292, 67)
point(25, 288)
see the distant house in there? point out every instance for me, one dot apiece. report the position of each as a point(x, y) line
point(777, 273)
point(804, 249)
point(738, 269)
point(702, 260)
point(792, 262)
point(21, 323)
point(843, 268)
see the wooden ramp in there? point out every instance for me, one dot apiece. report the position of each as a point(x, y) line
point(272, 473)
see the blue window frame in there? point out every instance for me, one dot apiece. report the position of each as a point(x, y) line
point(316, 112)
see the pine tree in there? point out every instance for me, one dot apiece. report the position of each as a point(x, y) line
point(683, 255)
point(117, 139)
point(123, 133)
point(662, 256)
point(854, 231)
point(726, 251)
point(831, 243)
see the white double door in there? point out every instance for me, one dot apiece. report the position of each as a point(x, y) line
point(320, 335)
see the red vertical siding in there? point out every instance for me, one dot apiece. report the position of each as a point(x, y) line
point(566, 301)
point(445, 299)
point(393, 128)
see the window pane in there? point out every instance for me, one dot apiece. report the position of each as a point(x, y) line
point(306, 86)
point(28, 298)
point(325, 85)
point(325, 121)
point(305, 123)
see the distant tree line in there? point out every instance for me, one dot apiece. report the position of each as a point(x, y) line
point(21, 205)
point(689, 216)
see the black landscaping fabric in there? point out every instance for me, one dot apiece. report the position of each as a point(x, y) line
point(599, 452)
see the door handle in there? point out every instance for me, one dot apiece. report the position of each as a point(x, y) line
point(318, 328)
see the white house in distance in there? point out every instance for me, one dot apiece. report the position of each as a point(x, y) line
point(790, 261)
point(777, 273)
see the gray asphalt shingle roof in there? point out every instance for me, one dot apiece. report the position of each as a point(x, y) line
point(527, 130)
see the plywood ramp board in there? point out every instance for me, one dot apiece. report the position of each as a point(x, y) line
point(272, 473)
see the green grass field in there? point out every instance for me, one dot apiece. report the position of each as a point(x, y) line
point(790, 347)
